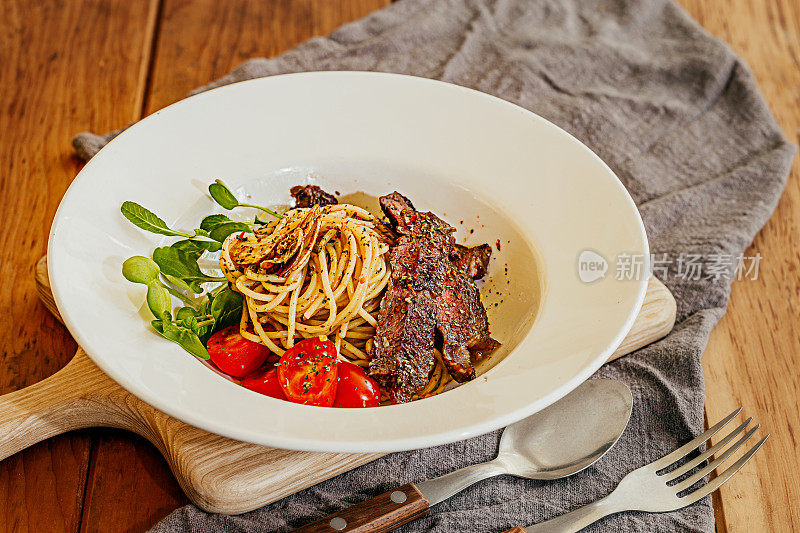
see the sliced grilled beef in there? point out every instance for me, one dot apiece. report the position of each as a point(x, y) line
point(403, 348)
point(308, 195)
point(461, 320)
point(393, 206)
point(430, 295)
point(473, 260)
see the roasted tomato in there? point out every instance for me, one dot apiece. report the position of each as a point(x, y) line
point(308, 372)
point(355, 388)
point(265, 383)
point(235, 355)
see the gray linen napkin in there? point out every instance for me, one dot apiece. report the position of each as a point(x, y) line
point(676, 115)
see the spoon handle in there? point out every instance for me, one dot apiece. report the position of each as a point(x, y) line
point(440, 488)
point(380, 514)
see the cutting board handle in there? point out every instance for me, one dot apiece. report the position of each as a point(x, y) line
point(67, 400)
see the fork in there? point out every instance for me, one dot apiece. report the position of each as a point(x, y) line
point(657, 489)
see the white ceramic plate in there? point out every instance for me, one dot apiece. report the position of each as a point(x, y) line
point(479, 162)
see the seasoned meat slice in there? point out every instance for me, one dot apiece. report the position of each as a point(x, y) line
point(429, 295)
point(393, 206)
point(308, 195)
point(403, 347)
point(461, 321)
point(473, 260)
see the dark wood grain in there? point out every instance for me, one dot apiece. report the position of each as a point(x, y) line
point(64, 67)
point(132, 487)
point(382, 513)
point(204, 39)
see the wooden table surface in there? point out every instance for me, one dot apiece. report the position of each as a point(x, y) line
point(100, 64)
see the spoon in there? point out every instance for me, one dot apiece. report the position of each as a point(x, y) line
point(556, 442)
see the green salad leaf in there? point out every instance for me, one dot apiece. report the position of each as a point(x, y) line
point(174, 271)
point(223, 195)
point(147, 220)
point(186, 337)
point(226, 309)
point(180, 267)
point(225, 198)
point(158, 299)
point(220, 226)
point(197, 246)
point(140, 269)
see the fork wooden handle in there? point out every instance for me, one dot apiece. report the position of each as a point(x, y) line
point(516, 530)
point(380, 514)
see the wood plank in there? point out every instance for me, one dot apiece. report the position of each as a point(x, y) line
point(132, 483)
point(205, 39)
point(754, 353)
point(58, 79)
point(197, 42)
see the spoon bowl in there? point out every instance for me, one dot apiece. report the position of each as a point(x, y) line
point(556, 442)
point(570, 435)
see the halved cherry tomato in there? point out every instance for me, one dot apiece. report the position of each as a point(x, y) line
point(265, 383)
point(308, 372)
point(235, 355)
point(356, 388)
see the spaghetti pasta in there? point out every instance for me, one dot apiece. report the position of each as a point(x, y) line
point(333, 289)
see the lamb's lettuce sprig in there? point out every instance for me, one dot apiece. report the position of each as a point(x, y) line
point(225, 198)
point(174, 271)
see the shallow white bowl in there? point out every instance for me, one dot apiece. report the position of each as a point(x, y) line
point(479, 162)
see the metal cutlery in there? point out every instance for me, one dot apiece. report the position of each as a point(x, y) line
point(556, 442)
point(657, 488)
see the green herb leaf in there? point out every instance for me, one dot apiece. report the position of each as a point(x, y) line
point(188, 339)
point(189, 317)
point(158, 299)
point(212, 221)
point(222, 195)
point(190, 322)
point(140, 269)
point(221, 232)
point(182, 285)
point(197, 247)
point(226, 309)
point(185, 312)
point(147, 220)
point(220, 226)
point(181, 265)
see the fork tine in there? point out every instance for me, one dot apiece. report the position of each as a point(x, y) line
point(703, 472)
point(691, 445)
point(678, 472)
point(715, 483)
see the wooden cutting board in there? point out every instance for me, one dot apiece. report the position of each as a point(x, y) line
point(218, 474)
